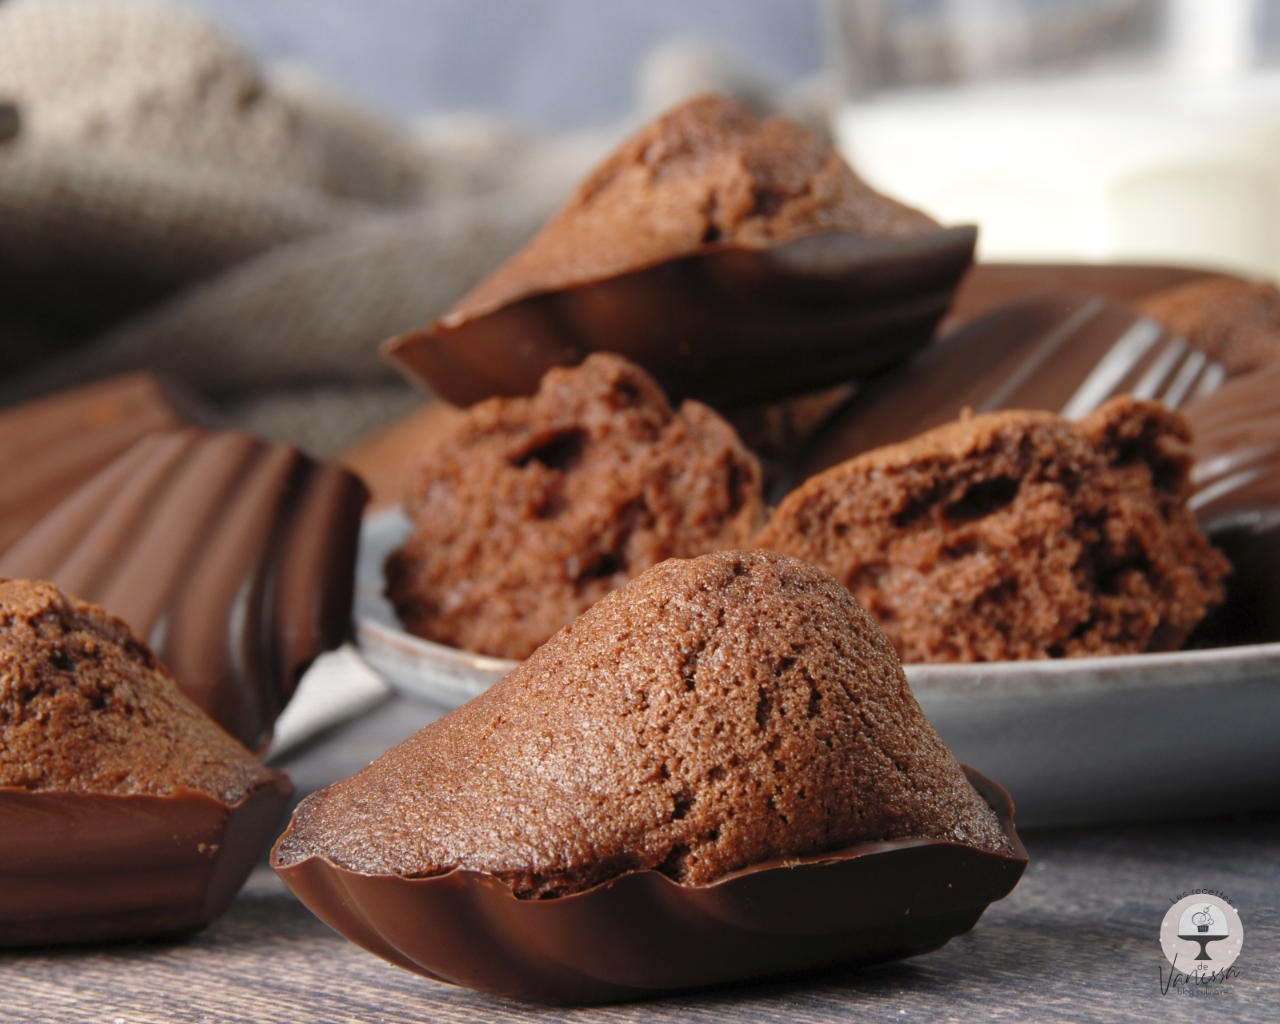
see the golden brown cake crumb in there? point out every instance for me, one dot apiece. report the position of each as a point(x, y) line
point(528, 510)
point(86, 707)
point(1016, 535)
point(715, 713)
point(709, 171)
point(1234, 322)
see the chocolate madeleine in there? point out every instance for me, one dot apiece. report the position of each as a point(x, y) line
point(528, 510)
point(1016, 535)
point(124, 811)
point(736, 259)
point(717, 717)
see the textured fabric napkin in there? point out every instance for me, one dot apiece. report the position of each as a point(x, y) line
point(166, 202)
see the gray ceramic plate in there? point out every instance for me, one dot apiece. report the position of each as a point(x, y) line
point(1185, 734)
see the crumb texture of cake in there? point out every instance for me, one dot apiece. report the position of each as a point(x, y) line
point(1016, 535)
point(85, 707)
point(709, 171)
point(1236, 323)
point(715, 713)
point(528, 510)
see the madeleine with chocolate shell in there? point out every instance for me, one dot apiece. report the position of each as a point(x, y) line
point(124, 810)
point(737, 259)
point(730, 731)
point(1016, 535)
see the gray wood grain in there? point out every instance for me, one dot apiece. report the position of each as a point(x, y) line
point(1076, 941)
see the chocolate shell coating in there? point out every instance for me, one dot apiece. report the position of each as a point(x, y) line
point(1236, 475)
point(92, 867)
point(737, 260)
point(714, 713)
point(50, 446)
point(124, 811)
point(234, 557)
point(1062, 352)
point(988, 286)
point(642, 934)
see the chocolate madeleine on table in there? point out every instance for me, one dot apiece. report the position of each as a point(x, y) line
point(716, 772)
point(124, 810)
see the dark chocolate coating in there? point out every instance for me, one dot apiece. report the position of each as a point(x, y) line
point(232, 556)
point(50, 446)
point(86, 867)
point(988, 286)
point(1237, 501)
point(643, 934)
point(1045, 352)
point(729, 325)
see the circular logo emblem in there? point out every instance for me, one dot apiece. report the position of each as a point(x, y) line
point(1201, 934)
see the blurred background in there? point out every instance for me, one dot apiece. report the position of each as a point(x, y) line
point(1090, 129)
point(249, 197)
point(548, 65)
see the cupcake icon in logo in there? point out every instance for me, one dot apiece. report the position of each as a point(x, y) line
point(1201, 934)
point(1194, 926)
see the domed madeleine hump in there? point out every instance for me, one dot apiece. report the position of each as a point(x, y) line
point(713, 714)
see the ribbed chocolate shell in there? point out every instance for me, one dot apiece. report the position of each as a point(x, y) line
point(233, 557)
point(1063, 352)
point(1237, 501)
point(643, 934)
point(988, 286)
point(86, 867)
point(50, 446)
point(728, 325)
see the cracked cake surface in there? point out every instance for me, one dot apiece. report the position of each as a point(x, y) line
point(713, 714)
point(1016, 535)
point(528, 510)
point(85, 706)
point(708, 171)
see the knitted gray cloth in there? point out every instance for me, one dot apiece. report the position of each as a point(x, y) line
point(167, 204)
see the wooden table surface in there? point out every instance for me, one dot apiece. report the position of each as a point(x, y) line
point(1077, 940)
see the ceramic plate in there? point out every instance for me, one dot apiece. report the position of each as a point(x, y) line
point(1183, 734)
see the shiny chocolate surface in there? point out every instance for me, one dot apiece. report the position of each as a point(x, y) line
point(50, 446)
point(642, 934)
point(1065, 352)
point(727, 325)
point(988, 286)
point(87, 867)
point(1237, 501)
point(232, 556)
